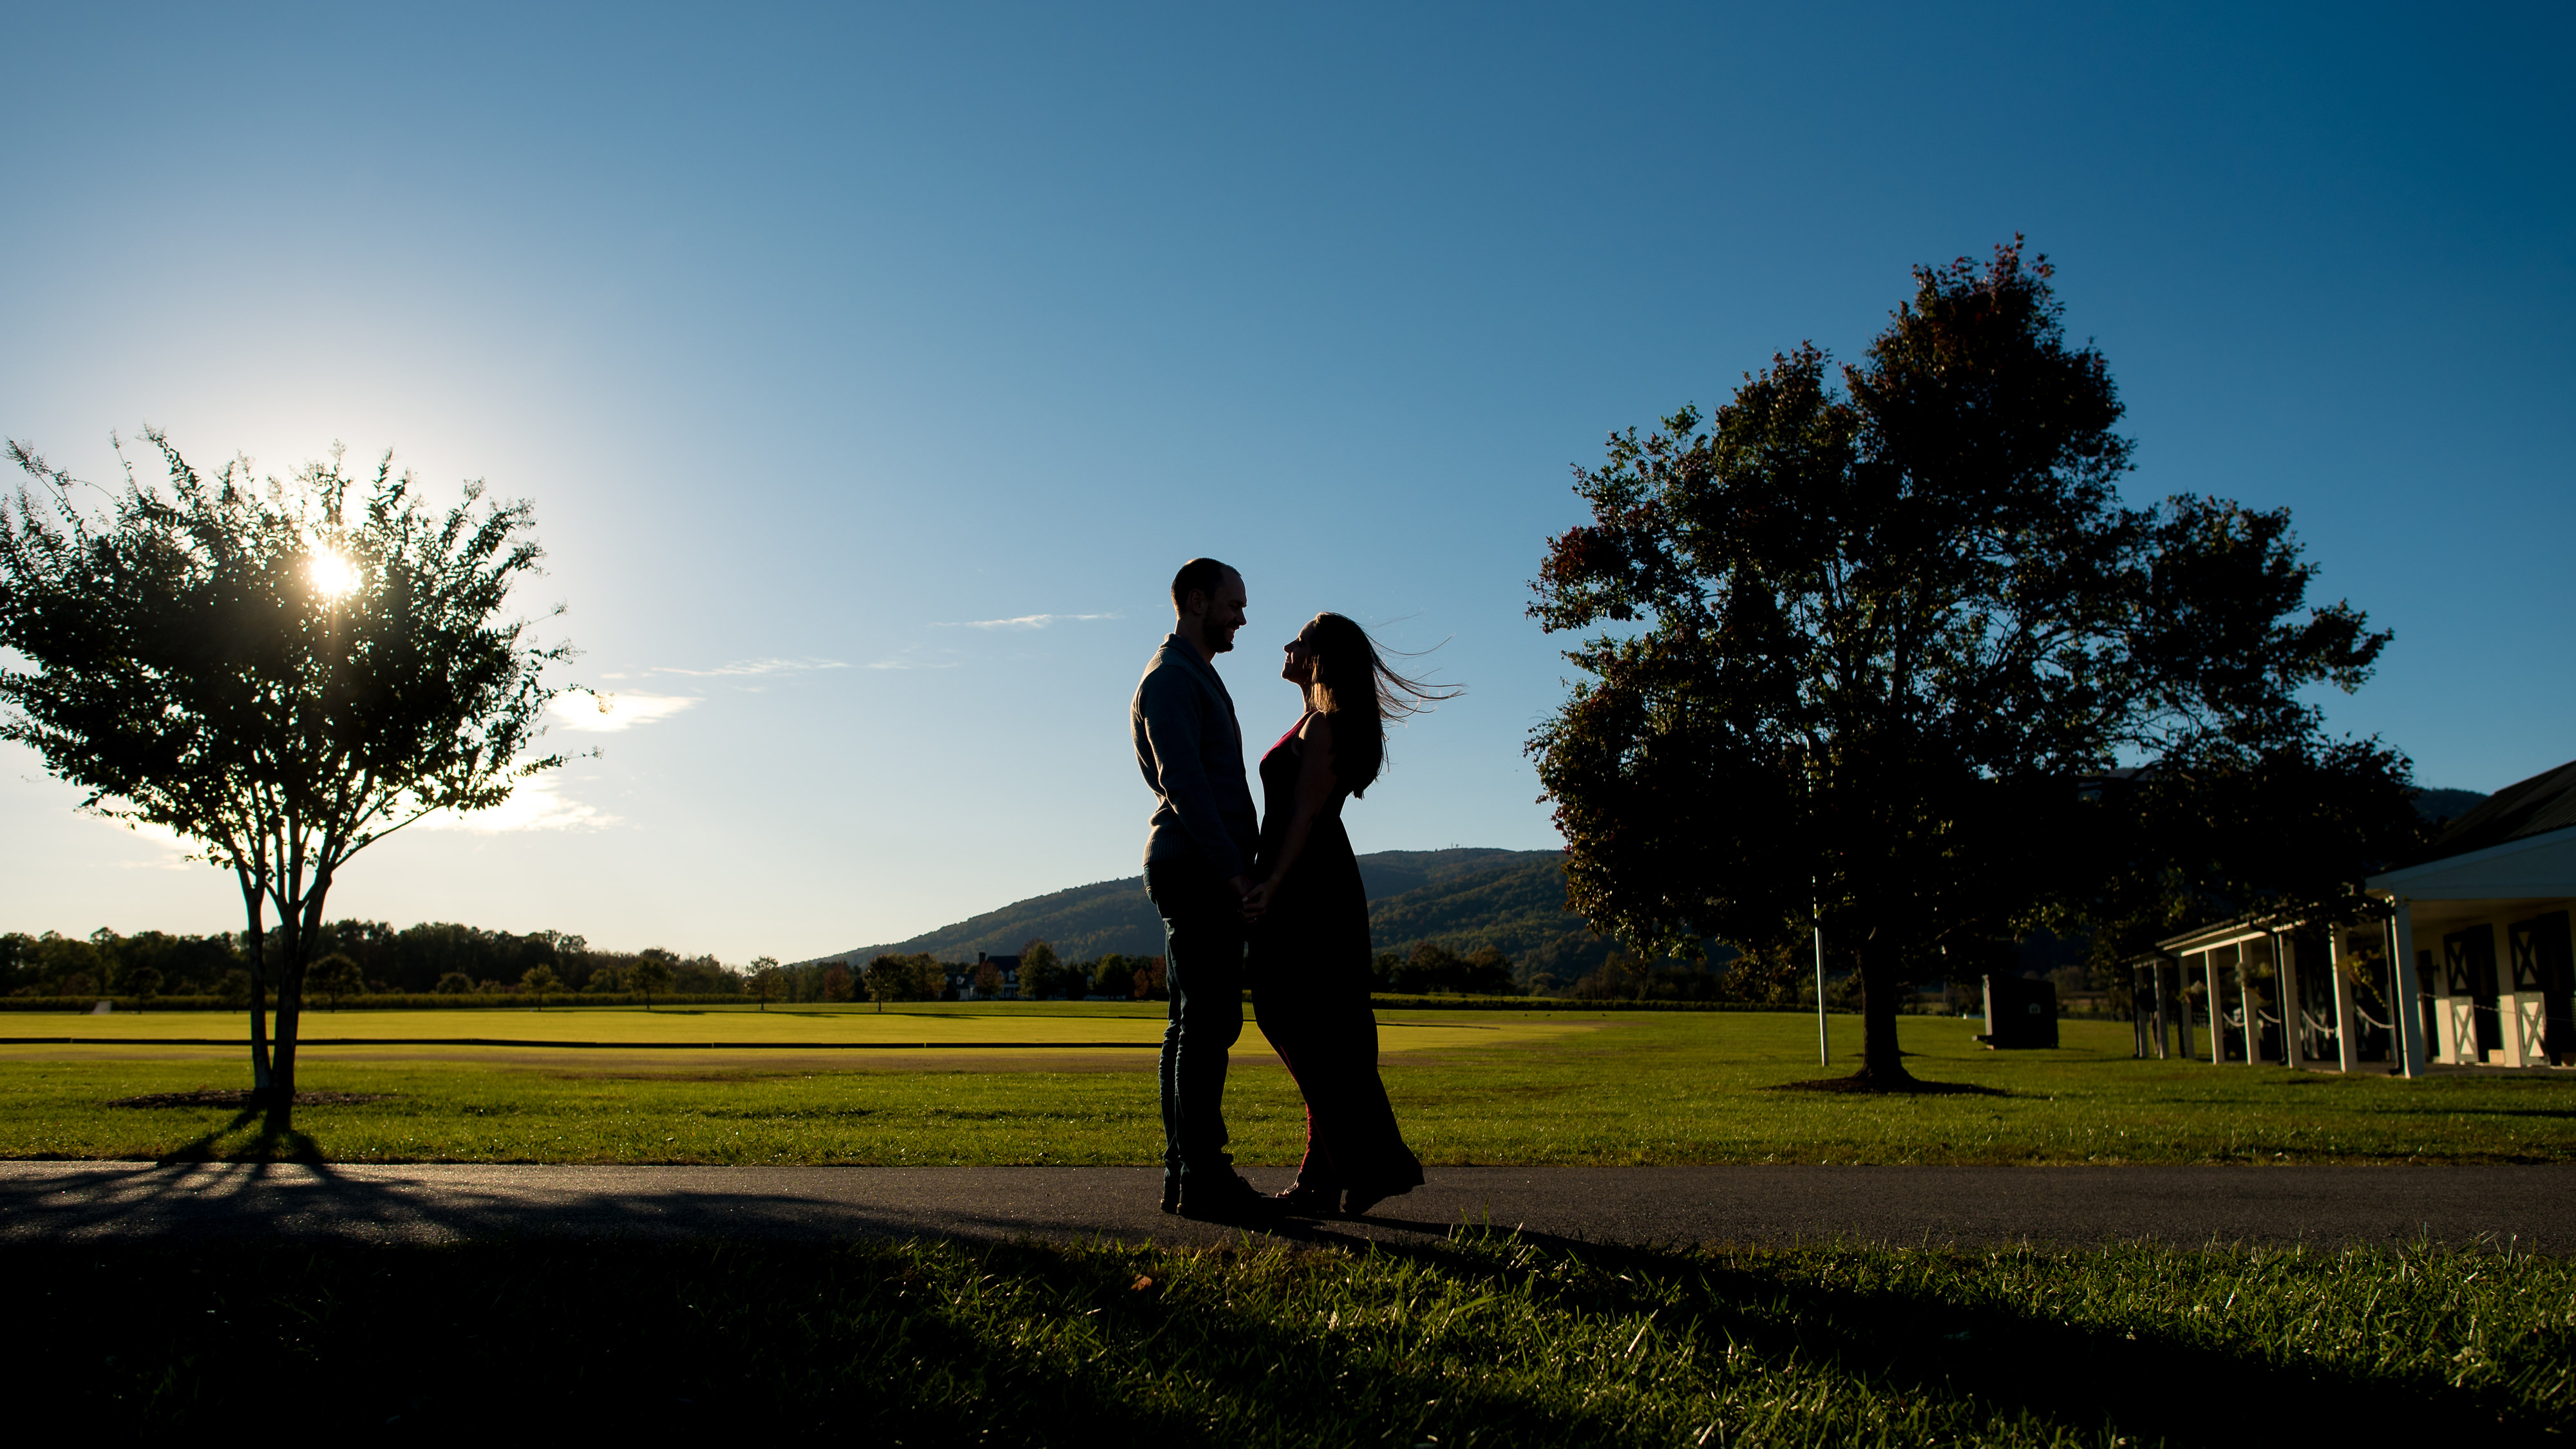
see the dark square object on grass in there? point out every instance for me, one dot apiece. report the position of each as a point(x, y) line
point(2020, 1012)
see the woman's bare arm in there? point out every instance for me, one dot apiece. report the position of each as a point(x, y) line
point(1317, 790)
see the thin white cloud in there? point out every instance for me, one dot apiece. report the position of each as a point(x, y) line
point(912, 664)
point(609, 713)
point(756, 666)
point(169, 851)
point(536, 804)
point(1025, 621)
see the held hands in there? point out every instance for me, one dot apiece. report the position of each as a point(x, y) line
point(1256, 898)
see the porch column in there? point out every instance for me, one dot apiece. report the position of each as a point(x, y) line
point(2137, 1011)
point(2249, 1008)
point(2182, 1011)
point(2409, 1003)
point(2347, 1024)
point(2156, 973)
point(2509, 1023)
point(2217, 1010)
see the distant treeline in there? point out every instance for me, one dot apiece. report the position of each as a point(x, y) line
point(371, 958)
point(361, 958)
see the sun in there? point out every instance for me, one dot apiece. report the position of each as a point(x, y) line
point(332, 575)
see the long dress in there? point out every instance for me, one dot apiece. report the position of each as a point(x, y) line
point(1310, 985)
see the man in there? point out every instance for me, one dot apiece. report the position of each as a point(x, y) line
point(1198, 864)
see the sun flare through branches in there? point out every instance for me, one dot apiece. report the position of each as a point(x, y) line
point(333, 576)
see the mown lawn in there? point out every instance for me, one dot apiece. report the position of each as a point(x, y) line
point(1480, 1340)
point(1484, 1087)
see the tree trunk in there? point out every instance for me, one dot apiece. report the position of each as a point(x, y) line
point(281, 1090)
point(1882, 1064)
point(258, 914)
point(301, 936)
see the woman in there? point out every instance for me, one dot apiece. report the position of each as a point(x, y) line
point(1310, 943)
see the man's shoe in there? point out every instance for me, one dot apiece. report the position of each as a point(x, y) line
point(1227, 1199)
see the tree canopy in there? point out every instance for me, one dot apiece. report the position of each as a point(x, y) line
point(280, 671)
point(1859, 648)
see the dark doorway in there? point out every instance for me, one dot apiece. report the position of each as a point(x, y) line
point(2365, 955)
point(2319, 1028)
point(2469, 961)
point(2545, 966)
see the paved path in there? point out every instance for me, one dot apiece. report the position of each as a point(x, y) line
point(2531, 1207)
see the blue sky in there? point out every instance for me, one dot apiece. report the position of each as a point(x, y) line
point(872, 368)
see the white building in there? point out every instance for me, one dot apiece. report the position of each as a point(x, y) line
point(2485, 921)
point(2484, 976)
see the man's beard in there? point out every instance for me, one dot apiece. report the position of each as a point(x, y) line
point(1221, 641)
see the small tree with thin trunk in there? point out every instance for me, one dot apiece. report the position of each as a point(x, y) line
point(765, 978)
point(283, 672)
point(651, 974)
point(335, 976)
point(1039, 969)
point(888, 978)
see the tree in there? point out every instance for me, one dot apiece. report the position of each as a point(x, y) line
point(765, 978)
point(1862, 646)
point(1431, 968)
point(541, 982)
point(891, 978)
point(988, 980)
point(455, 983)
point(283, 673)
point(1487, 972)
point(1115, 975)
point(143, 983)
point(929, 978)
point(1041, 973)
point(651, 973)
point(336, 976)
point(2285, 829)
point(1040, 981)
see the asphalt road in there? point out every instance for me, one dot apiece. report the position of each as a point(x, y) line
point(2531, 1208)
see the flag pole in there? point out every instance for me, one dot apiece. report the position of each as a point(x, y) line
point(1824, 1053)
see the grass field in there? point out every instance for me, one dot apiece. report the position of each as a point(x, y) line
point(1481, 1340)
point(1499, 1087)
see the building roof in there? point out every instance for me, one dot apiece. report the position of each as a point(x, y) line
point(2222, 933)
point(2537, 806)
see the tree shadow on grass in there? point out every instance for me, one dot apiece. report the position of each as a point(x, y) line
point(1913, 1344)
point(920, 1343)
point(248, 1138)
point(802, 1338)
point(1868, 1087)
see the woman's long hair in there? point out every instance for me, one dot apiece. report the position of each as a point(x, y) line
point(1354, 685)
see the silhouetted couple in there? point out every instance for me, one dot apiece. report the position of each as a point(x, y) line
point(1275, 903)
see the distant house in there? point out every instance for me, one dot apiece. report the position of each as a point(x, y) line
point(1009, 966)
point(2482, 974)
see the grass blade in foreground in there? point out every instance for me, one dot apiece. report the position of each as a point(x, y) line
point(1482, 1340)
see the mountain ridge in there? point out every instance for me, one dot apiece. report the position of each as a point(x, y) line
point(1462, 897)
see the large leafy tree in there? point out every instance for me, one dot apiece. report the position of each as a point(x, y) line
point(282, 672)
point(2283, 830)
point(1860, 647)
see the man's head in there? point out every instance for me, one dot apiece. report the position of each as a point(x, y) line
point(1207, 605)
